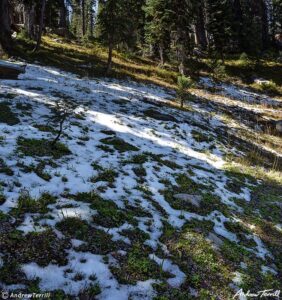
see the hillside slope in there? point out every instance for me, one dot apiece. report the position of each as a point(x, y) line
point(139, 199)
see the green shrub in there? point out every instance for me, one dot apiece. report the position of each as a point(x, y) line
point(244, 57)
point(34, 147)
point(27, 204)
point(5, 169)
point(7, 116)
point(183, 84)
point(23, 35)
point(119, 144)
point(217, 69)
point(107, 175)
point(269, 87)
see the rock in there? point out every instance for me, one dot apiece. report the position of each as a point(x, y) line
point(151, 102)
point(10, 70)
point(158, 115)
point(192, 199)
point(215, 239)
point(278, 126)
point(261, 81)
point(59, 41)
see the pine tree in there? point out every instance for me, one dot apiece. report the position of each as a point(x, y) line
point(5, 28)
point(183, 84)
point(252, 40)
point(200, 30)
point(62, 14)
point(219, 26)
point(114, 24)
point(277, 16)
point(182, 23)
point(90, 15)
point(158, 24)
point(76, 21)
point(41, 24)
point(29, 10)
point(136, 34)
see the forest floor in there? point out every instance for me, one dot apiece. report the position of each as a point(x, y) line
point(139, 199)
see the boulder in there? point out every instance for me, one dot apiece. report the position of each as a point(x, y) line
point(191, 199)
point(152, 113)
point(151, 101)
point(10, 70)
point(261, 81)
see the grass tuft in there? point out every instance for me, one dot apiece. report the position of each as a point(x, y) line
point(7, 116)
point(36, 147)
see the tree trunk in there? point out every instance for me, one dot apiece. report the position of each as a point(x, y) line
point(62, 15)
point(222, 55)
point(201, 38)
point(83, 17)
point(29, 17)
point(43, 6)
point(265, 27)
point(5, 27)
point(110, 57)
point(54, 142)
point(161, 51)
point(91, 21)
point(237, 24)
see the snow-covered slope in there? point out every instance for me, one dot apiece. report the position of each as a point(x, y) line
point(129, 154)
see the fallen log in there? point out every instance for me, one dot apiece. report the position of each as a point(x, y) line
point(10, 70)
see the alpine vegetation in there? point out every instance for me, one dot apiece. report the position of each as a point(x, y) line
point(140, 149)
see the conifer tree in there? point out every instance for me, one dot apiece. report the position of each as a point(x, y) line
point(200, 25)
point(136, 35)
point(5, 28)
point(76, 22)
point(90, 15)
point(114, 24)
point(277, 16)
point(251, 29)
point(182, 21)
point(219, 25)
point(158, 24)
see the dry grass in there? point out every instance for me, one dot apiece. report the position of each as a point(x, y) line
point(71, 55)
point(90, 60)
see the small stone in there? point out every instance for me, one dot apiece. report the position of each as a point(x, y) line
point(278, 126)
point(215, 239)
point(192, 199)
